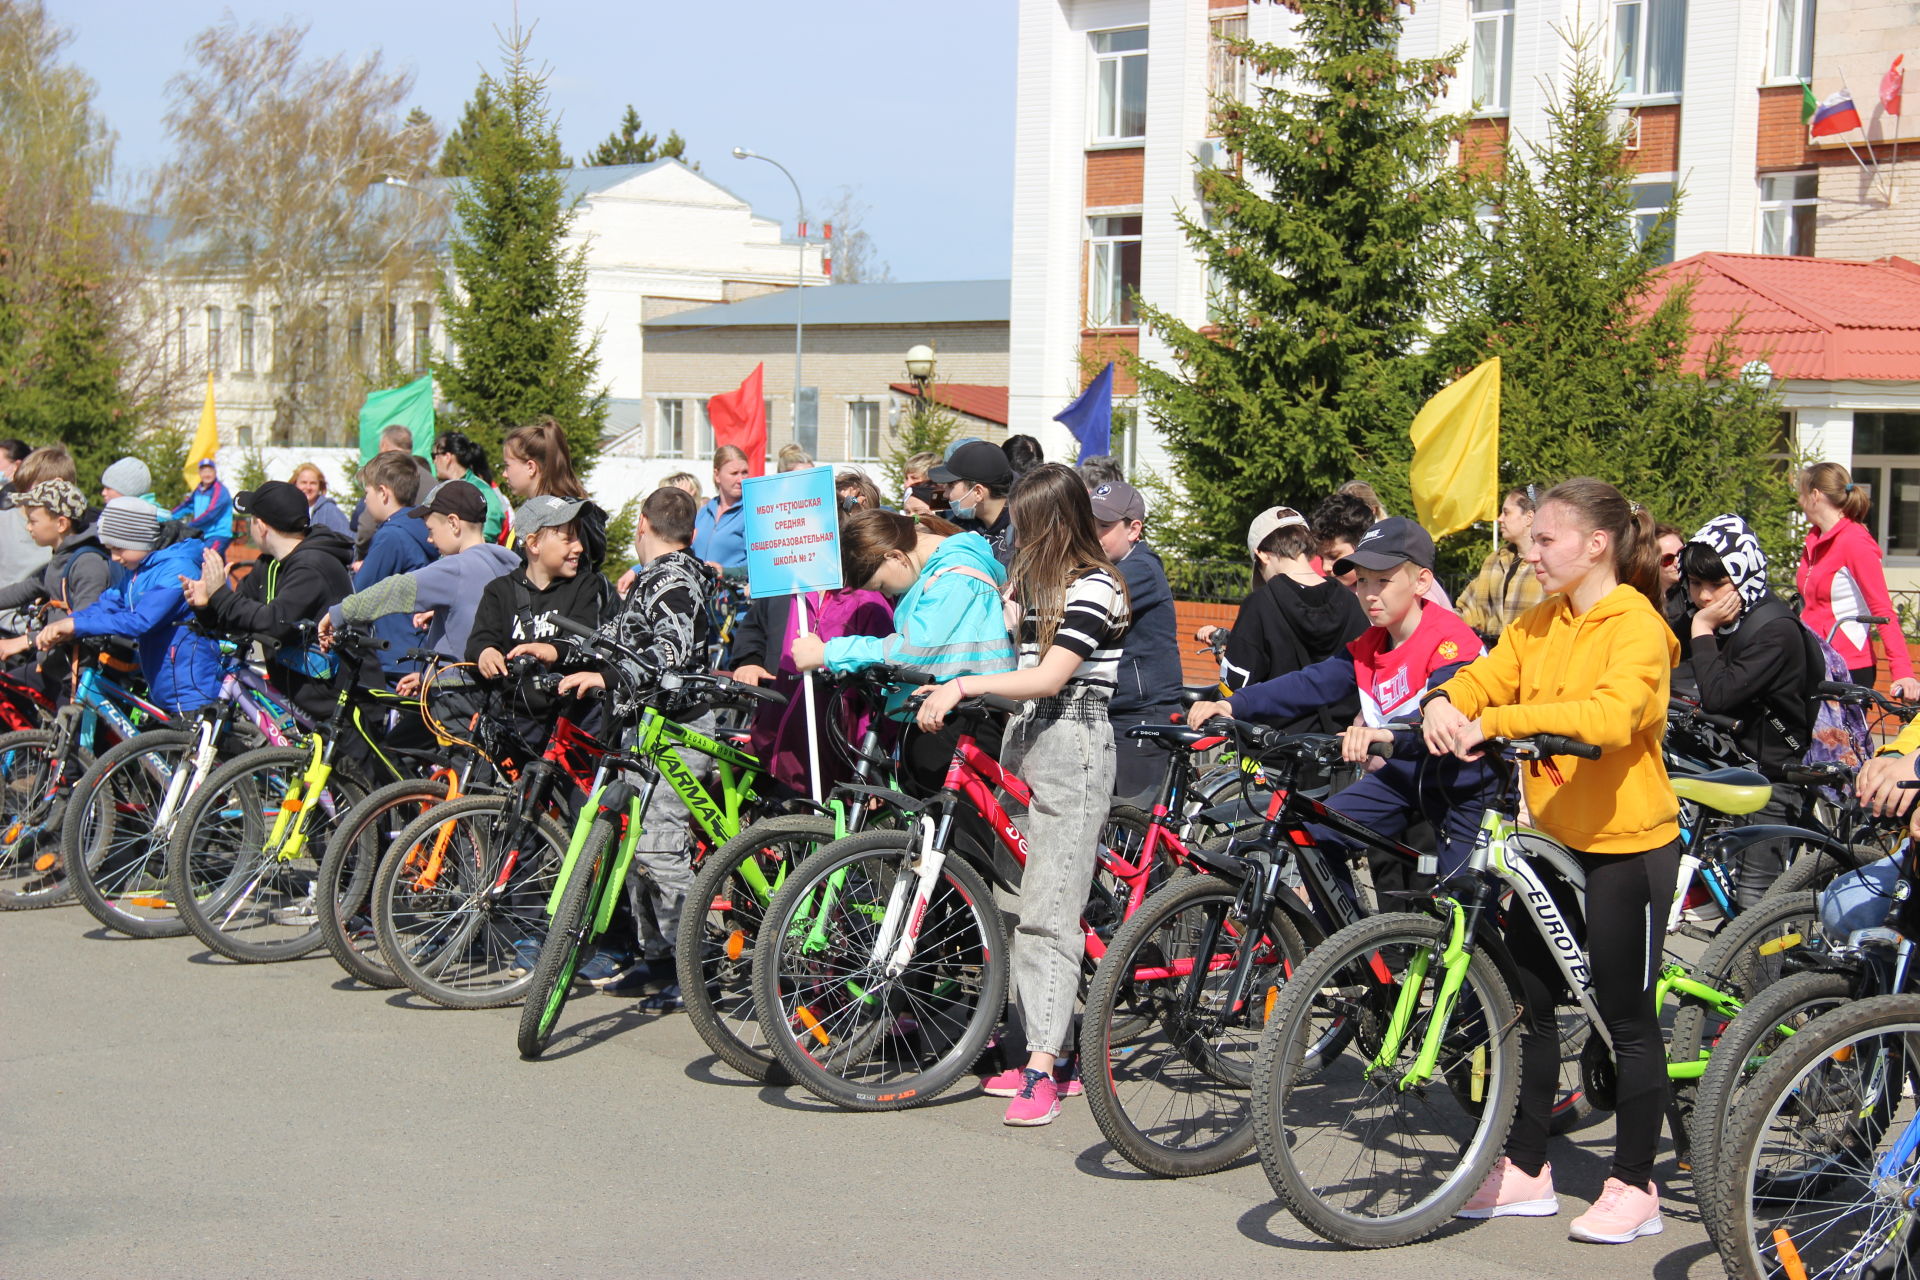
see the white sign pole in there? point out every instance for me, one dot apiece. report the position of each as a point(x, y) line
point(806, 692)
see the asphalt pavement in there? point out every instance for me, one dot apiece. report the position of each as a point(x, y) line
point(174, 1114)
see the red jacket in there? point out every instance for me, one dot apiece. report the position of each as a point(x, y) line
point(1840, 576)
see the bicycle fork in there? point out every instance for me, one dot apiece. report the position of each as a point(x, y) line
point(893, 949)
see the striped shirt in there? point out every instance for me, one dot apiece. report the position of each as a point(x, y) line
point(1094, 622)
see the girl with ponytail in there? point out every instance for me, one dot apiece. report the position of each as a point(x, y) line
point(1841, 577)
point(1591, 661)
point(539, 464)
point(456, 457)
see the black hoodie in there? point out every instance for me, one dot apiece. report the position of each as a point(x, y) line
point(278, 595)
point(500, 622)
point(1283, 627)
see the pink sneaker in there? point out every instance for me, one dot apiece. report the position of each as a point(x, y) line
point(1038, 1101)
point(1622, 1213)
point(1066, 1074)
point(1508, 1192)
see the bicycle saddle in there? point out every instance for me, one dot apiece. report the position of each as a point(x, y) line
point(1733, 791)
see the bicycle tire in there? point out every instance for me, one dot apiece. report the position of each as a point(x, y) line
point(1166, 1068)
point(453, 941)
point(116, 859)
point(1348, 977)
point(713, 954)
point(889, 1046)
point(347, 872)
point(1814, 868)
point(552, 979)
point(1741, 1054)
point(1827, 1070)
point(244, 901)
point(31, 815)
point(1734, 965)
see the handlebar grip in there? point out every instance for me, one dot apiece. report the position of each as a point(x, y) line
point(1727, 723)
point(1873, 622)
point(1836, 689)
point(1556, 745)
point(567, 625)
point(994, 702)
point(1382, 749)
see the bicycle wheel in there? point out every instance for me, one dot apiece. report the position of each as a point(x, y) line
point(33, 805)
point(347, 871)
point(552, 978)
point(460, 902)
point(1359, 1156)
point(1813, 867)
point(713, 954)
point(846, 1022)
point(115, 838)
point(1166, 1057)
point(1772, 1019)
point(1817, 1173)
point(244, 861)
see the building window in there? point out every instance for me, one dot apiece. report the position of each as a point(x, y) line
point(1120, 85)
point(1653, 217)
point(1113, 271)
point(246, 340)
point(1789, 203)
point(863, 431)
point(213, 339)
point(703, 433)
point(671, 441)
point(1226, 72)
point(1649, 47)
point(180, 337)
point(1793, 39)
point(1884, 449)
point(357, 338)
point(1492, 54)
point(422, 335)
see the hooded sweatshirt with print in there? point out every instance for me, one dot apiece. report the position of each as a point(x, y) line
point(75, 575)
point(1599, 676)
point(1841, 575)
point(514, 612)
point(1284, 626)
point(451, 587)
point(950, 622)
point(276, 597)
point(181, 667)
point(1760, 669)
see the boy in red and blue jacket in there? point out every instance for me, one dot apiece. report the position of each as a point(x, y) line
point(1411, 647)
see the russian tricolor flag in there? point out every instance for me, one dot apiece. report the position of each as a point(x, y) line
point(1835, 115)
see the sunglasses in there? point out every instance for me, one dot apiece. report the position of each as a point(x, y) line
point(1668, 560)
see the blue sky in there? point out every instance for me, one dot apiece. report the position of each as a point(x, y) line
point(907, 100)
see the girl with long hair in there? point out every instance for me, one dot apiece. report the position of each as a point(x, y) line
point(1591, 661)
point(1072, 605)
point(457, 457)
point(1841, 577)
point(537, 463)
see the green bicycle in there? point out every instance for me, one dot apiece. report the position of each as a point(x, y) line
point(608, 829)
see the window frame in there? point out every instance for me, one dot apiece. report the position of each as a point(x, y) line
point(1644, 61)
point(1501, 20)
point(1634, 216)
point(246, 340)
point(214, 352)
point(1805, 15)
point(678, 427)
point(1226, 74)
point(1112, 242)
point(1786, 208)
point(1096, 62)
point(864, 407)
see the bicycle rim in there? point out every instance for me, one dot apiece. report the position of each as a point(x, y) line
point(32, 809)
point(116, 838)
point(347, 875)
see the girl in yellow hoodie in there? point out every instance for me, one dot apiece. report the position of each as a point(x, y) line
point(1592, 662)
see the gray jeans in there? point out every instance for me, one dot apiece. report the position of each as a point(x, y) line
point(1063, 747)
point(665, 851)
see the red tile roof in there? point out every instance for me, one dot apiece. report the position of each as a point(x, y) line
point(986, 403)
point(1819, 319)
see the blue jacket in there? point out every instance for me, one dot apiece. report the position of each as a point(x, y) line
point(722, 536)
point(208, 512)
point(950, 621)
point(182, 668)
point(399, 546)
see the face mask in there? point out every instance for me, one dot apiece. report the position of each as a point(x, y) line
point(962, 513)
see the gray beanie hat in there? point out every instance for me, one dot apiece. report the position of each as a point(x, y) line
point(130, 524)
point(128, 476)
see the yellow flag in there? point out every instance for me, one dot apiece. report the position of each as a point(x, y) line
point(1456, 453)
point(206, 439)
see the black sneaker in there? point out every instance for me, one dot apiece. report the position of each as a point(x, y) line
point(665, 1000)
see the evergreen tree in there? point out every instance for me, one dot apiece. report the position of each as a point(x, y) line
point(514, 297)
point(1324, 241)
point(1594, 376)
point(629, 144)
point(71, 393)
point(480, 111)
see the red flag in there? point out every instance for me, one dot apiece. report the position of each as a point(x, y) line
point(1836, 115)
point(740, 418)
point(1891, 85)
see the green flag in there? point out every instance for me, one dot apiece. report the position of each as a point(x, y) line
point(1807, 104)
point(410, 406)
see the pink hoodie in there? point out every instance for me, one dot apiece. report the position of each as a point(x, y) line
point(1840, 576)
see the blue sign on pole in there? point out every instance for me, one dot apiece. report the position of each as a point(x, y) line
point(793, 532)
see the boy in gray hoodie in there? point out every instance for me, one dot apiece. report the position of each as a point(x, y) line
point(76, 575)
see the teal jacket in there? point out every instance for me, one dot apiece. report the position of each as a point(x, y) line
point(950, 622)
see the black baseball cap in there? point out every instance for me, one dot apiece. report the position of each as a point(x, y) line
point(454, 498)
point(1390, 543)
point(282, 506)
point(975, 462)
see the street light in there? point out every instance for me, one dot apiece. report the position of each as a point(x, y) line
point(920, 367)
point(800, 281)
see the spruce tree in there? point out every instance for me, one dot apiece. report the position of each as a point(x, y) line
point(480, 111)
point(1324, 238)
point(514, 296)
point(1595, 378)
point(630, 144)
point(71, 393)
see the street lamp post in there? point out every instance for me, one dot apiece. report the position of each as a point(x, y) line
point(920, 362)
point(800, 280)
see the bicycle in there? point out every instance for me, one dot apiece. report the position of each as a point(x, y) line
point(1428, 1073)
point(607, 833)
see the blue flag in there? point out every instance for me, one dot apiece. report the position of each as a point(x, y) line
point(1090, 417)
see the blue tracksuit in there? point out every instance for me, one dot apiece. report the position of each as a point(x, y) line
point(182, 668)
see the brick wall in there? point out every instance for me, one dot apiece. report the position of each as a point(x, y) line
point(1484, 144)
point(1097, 346)
point(1115, 177)
point(1869, 213)
point(1659, 140)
